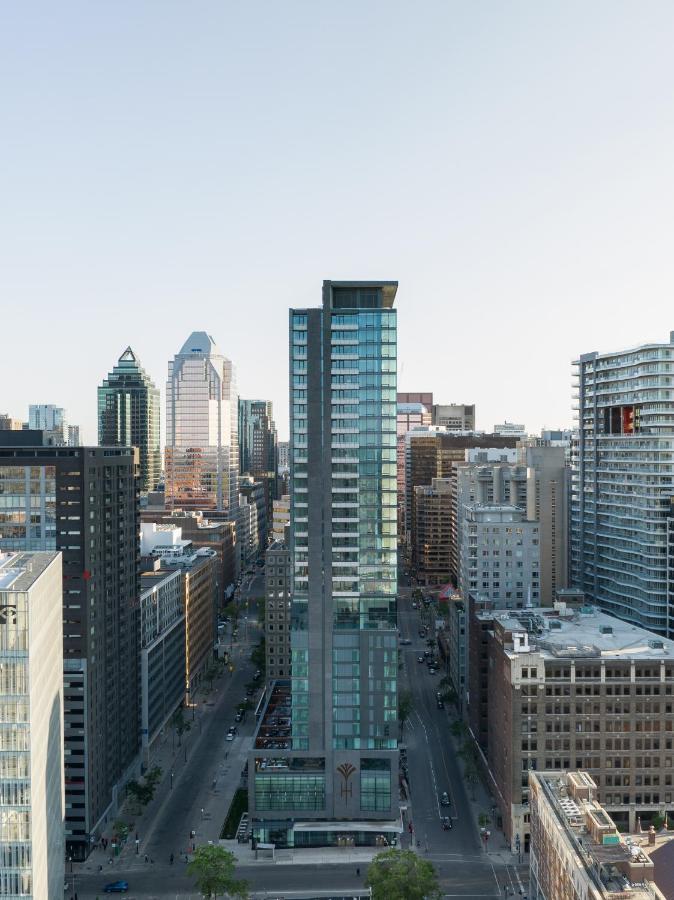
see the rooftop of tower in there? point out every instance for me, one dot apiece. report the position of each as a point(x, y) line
point(388, 291)
point(200, 342)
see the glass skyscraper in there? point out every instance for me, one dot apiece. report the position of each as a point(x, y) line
point(343, 536)
point(202, 448)
point(128, 415)
point(623, 484)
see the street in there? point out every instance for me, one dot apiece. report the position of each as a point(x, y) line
point(464, 869)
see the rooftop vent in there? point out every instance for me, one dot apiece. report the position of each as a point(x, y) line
point(656, 645)
point(554, 625)
point(606, 629)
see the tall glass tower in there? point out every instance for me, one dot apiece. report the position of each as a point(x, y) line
point(341, 757)
point(128, 415)
point(202, 449)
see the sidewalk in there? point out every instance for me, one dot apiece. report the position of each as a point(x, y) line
point(497, 846)
point(305, 856)
point(214, 799)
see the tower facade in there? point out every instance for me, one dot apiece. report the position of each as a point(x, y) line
point(202, 451)
point(622, 483)
point(84, 502)
point(31, 693)
point(128, 415)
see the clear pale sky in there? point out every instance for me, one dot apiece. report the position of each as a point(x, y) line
point(172, 166)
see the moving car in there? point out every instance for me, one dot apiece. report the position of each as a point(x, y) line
point(405, 642)
point(446, 823)
point(420, 659)
point(116, 887)
point(415, 605)
point(441, 704)
point(444, 799)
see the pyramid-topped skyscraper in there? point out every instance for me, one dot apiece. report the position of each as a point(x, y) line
point(128, 415)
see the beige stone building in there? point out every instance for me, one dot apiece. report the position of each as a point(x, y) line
point(577, 853)
point(552, 689)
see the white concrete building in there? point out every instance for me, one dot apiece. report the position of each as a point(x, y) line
point(162, 651)
point(32, 800)
point(513, 429)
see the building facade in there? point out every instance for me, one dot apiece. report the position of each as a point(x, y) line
point(454, 416)
point(577, 852)
point(197, 570)
point(623, 478)
point(409, 415)
point(277, 615)
point(53, 422)
point(31, 729)
point(281, 517)
point(570, 686)
point(84, 502)
point(500, 555)
point(128, 415)
point(258, 445)
point(202, 445)
point(162, 651)
point(431, 550)
point(333, 769)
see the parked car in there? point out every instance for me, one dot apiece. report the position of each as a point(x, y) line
point(427, 653)
point(441, 704)
point(444, 799)
point(415, 605)
point(446, 823)
point(116, 887)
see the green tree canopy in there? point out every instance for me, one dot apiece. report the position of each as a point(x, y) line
point(402, 875)
point(213, 870)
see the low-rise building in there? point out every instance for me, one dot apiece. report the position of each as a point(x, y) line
point(577, 853)
point(31, 726)
point(162, 650)
point(277, 614)
point(210, 533)
point(198, 599)
point(572, 687)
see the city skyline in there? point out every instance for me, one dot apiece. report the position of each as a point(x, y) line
point(543, 200)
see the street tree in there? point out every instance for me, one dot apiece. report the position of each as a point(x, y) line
point(179, 723)
point(213, 871)
point(402, 875)
point(404, 707)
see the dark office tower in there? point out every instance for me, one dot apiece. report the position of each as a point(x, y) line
point(258, 451)
point(128, 415)
point(339, 764)
point(84, 501)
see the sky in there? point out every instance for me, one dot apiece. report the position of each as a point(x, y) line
point(167, 167)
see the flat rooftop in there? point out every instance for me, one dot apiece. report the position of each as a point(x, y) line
point(580, 631)
point(625, 870)
point(19, 571)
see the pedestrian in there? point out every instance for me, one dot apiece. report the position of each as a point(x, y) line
point(109, 860)
point(146, 857)
point(171, 859)
point(358, 872)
